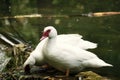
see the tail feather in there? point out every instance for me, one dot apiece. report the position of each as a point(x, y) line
point(87, 44)
point(96, 63)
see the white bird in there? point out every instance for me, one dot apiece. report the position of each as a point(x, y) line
point(67, 58)
point(36, 57)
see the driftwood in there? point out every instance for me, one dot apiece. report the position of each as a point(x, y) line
point(18, 49)
point(96, 14)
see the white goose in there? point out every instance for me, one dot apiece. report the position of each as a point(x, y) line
point(67, 58)
point(36, 56)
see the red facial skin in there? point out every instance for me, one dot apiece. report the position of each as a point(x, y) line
point(45, 34)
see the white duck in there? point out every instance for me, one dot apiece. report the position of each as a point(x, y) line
point(67, 58)
point(36, 56)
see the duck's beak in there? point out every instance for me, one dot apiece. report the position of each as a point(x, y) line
point(43, 37)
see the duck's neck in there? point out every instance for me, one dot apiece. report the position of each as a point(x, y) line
point(51, 42)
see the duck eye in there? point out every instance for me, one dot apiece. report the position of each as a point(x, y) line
point(47, 32)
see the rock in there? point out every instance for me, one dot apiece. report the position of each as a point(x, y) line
point(89, 75)
point(4, 60)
